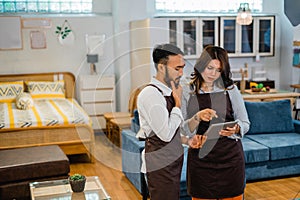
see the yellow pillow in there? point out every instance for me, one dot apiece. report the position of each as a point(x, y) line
point(10, 90)
point(46, 89)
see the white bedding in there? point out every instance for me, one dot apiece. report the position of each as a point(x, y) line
point(45, 112)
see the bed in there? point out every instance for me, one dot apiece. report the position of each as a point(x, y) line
point(71, 129)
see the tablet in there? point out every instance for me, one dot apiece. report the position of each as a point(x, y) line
point(214, 129)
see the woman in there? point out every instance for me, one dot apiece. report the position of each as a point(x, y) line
point(217, 170)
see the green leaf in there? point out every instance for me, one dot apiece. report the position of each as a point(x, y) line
point(76, 177)
point(58, 28)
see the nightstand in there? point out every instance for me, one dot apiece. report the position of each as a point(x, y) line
point(97, 96)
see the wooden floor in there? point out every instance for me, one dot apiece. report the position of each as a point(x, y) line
point(108, 168)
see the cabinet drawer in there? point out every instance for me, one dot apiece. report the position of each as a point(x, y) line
point(92, 82)
point(98, 122)
point(97, 95)
point(98, 108)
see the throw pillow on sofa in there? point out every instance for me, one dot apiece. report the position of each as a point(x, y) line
point(270, 117)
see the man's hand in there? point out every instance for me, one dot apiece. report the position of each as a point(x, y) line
point(197, 141)
point(176, 92)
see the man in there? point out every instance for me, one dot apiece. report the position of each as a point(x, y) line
point(160, 117)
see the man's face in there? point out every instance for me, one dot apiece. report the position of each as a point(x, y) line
point(174, 69)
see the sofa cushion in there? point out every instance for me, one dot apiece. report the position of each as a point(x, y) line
point(270, 117)
point(281, 145)
point(254, 151)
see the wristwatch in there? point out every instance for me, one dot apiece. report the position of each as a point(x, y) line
point(196, 118)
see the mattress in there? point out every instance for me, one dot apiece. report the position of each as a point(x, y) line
point(44, 113)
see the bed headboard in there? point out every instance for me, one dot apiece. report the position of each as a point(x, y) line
point(68, 77)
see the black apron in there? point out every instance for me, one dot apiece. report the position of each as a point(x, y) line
point(217, 170)
point(164, 163)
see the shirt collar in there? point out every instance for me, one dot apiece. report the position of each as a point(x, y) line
point(165, 89)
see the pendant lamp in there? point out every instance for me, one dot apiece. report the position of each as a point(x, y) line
point(244, 16)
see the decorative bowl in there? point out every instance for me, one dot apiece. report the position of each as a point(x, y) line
point(255, 89)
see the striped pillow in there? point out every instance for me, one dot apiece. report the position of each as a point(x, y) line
point(10, 90)
point(46, 89)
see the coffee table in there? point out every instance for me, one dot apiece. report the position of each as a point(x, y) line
point(61, 190)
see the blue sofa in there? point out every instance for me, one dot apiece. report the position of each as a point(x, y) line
point(271, 147)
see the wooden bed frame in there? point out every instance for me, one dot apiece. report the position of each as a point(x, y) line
point(72, 139)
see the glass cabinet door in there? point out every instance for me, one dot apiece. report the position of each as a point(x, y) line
point(189, 36)
point(247, 39)
point(229, 35)
point(209, 32)
point(173, 32)
point(265, 35)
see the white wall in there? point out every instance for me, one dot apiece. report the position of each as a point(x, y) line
point(56, 57)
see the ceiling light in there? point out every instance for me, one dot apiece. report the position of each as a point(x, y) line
point(244, 16)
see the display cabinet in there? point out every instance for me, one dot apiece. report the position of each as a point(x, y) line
point(193, 34)
point(254, 39)
point(265, 35)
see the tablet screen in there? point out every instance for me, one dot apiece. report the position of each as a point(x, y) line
point(214, 129)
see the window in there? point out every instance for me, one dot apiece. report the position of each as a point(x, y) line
point(46, 6)
point(192, 6)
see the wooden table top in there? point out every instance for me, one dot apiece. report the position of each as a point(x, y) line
point(121, 122)
point(270, 95)
point(111, 115)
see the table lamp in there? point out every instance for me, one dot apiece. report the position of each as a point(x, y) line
point(92, 59)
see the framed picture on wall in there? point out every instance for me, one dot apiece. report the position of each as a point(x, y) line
point(10, 33)
point(38, 39)
point(36, 23)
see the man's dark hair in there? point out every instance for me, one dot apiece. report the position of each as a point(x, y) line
point(162, 52)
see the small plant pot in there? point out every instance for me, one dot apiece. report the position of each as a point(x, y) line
point(77, 185)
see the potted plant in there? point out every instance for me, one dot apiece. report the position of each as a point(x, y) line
point(77, 182)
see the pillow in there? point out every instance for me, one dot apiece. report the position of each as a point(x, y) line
point(46, 89)
point(270, 117)
point(24, 101)
point(10, 90)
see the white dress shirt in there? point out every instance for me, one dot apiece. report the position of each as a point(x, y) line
point(154, 115)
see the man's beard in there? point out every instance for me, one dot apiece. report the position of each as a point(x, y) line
point(168, 80)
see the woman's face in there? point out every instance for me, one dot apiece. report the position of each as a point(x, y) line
point(212, 71)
